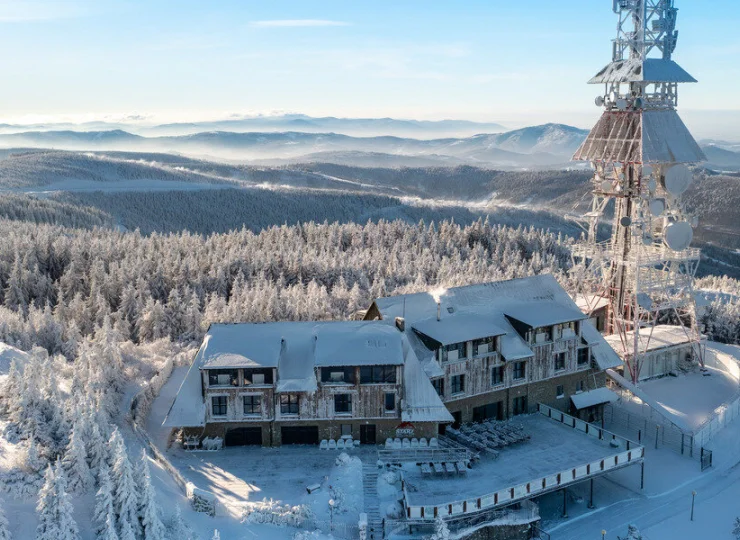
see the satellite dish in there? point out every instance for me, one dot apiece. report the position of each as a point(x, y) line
point(678, 235)
point(638, 103)
point(626, 221)
point(677, 180)
point(599, 101)
point(657, 207)
point(644, 301)
point(613, 97)
point(606, 186)
point(647, 170)
point(652, 185)
point(622, 104)
point(647, 240)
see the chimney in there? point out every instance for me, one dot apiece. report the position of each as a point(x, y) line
point(439, 311)
point(401, 324)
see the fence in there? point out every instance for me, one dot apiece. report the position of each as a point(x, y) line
point(425, 455)
point(633, 453)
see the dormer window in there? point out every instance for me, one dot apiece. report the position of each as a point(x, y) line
point(223, 377)
point(484, 346)
point(338, 375)
point(452, 353)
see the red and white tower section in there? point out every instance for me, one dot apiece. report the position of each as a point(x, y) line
point(641, 153)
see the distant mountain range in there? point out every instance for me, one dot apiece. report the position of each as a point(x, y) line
point(549, 146)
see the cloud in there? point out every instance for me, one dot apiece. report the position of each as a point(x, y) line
point(296, 23)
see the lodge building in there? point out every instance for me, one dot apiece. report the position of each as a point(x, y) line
point(415, 365)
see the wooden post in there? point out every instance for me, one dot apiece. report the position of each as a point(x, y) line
point(565, 503)
point(642, 475)
point(657, 434)
point(591, 499)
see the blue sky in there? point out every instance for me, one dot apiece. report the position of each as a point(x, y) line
point(494, 60)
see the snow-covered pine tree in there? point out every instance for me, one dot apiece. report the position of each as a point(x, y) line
point(441, 532)
point(4, 526)
point(104, 510)
point(46, 508)
point(216, 535)
point(97, 451)
point(736, 529)
point(149, 509)
point(109, 531)
point(633, 533)
point(125, 494)
point(68, 529)
point(127, 532)
point(80, 479)
point(178, 528)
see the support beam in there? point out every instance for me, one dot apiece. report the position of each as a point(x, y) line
point(565, 503)
point(591, 496)
point(642, 475)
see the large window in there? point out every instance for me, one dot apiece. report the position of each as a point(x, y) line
point(457, 383)
point(584, 355)
point(559, 361)
point(378, 374)
point(257, 376)
point(252, 405)
point(497, 375)
point(343, 403)
point(223, 377)
point(390, 402)
point(520, 405)
point(288, 403)
point(520, 371)
point(484, 346)
point(452, 353)
point(492, 410)
point(218, 405)
point(542, 334)
point(338, 375)
point(439, 386)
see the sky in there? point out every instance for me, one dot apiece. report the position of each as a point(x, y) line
point(489, 60)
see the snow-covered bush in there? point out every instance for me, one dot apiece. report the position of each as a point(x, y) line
point(212, 443)
point(390, 477)
point(269, 511)
point(343, 460)
point(441, 532)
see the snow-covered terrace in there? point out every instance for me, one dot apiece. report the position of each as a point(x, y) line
point(661, 337)
point(562, 451)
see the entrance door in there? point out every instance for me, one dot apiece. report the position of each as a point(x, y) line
point(458, 419)
point(367, 434)
point(244, 436)
point(300, 435)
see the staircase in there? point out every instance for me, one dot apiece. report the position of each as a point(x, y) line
point(372, 504)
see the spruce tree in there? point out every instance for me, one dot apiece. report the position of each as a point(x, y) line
point(75, 463)
point(125, 494)
point(68, 529)
point(4, 526)
point(104, 510)
point(46, 508)
point(149, 509)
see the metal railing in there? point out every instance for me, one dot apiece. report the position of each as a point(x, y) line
point(425, 455)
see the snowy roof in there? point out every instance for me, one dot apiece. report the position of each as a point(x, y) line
point(458, 328)
point(539, 314)
point(639, 70)
point(365, 345)
point(593, 397)
point(240, 346)
point(640, 137)
point(488, 302)
point(661, 337)
point(421, 401)
point(590, 303)
point(296, 367)
point(601, 350)
point(188, 409)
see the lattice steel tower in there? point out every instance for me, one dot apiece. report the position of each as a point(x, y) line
point(640, 150)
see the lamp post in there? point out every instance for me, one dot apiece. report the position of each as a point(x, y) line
point(331, 514)
point(603, 534)
point(693, 496)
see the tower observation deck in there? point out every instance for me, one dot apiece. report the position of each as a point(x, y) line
point(641, 152)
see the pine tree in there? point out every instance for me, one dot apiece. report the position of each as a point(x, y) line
point(125, 494)
point(104, 511)
point(46, 508)
point(633, 533)
point(97, 451)
point(68, 529)
point(149, 509)
point(178, 528)
point(75, 460)
point(127, 531)
point(4, 526)
point(216, 535)
point(441, 532)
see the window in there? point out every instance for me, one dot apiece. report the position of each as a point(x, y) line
point(390, 402)
point(492, 410)
point(338, 375)
point(581, 386)
point(452, 353)
point(584, 355)
point(560, 361)
point(252, 405)
point(343, 404)
point(289, 404)
point(218, 405)
point(560, 391)
point(257, 376)
point(520, 405)
point(346, 430)
point(520, 371)
point(378, 375)
point(497, 375)
point(543, 334)
point(458, 384)
point(223, 377)
point(439, 386)
point(484, 346)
